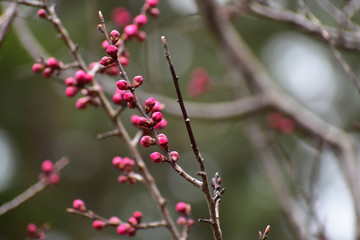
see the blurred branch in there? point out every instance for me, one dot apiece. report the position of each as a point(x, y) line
point(6, 19)
point(33, 190)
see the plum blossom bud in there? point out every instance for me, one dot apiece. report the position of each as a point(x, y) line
point(134, 119)
point(106, 61)
point(157, 157)
point(174, 156)
point(42, 13)
point(140, 20)
point(161, 124)
point(129, 97)
point(131, 30)
point(183, 208)
point(47, 166)
point(114, 36)
point(122, 179)
point(112, 51)
point(52, 63)
point(137, 81)
point(123, 229)
point(105, 44)
point(47, 72)
point(121, 16)
point(156, 117)
point(54, 178)
point(138, 216)
point(114, 220)
point(116, 161)
point(131, 232)
point(118, 98)
point(158, 106)
point(124, 61)
point(71, 91)
point(142, 122)
point(181, 221)
point(79, 205)
point(147, 141)
point(127, 164)
point(37, 67)
point(141, 36)
point(155, 12)
point(123, 85)
point(149, 104)
point(70, 81)
point(81, 103)
point(132, 221)
point(191, 222)
point(163, 142)
point(31, 229)
point(98, 224)
point(152, 3)
point(80, 76)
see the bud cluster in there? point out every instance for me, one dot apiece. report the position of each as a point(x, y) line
point(49, 173)
point(185, 210)
point(279, 122)
point(47, 67)
point(127, 166)
point(34, 232)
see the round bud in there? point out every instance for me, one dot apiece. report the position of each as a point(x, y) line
point(52, 63)
point(174, 156)
point(140, 20)
point(141, 36)
point(114, 36)
point(80, 76)
point(162, 124)
point(106, 61)
point(98, 224)
point(152, 3)
point(122, 179)
point(138, 216)
point(191, 222)
point(70, 81)
point(137, 81)
point(42, 13)
point(118, 98)
point(81, 103)
point(155, 12)
point(156, 117)
point(147, 141)
point(129, 97)
point(114, 220)
point(132, 221)
point(149, 104)
point(31, 229)
point(37, 67)
point(163, 142)
point(47, 72)
point(47, 166)
point(71, 91)
point(181, 207)
point(79, 205)
point(116, 161)
point(157, 157)
point(181, 221)
point(124, 61)
point(54, 179)
point(131, 30)
point(112, 51)
point(105, 44)
point(123, 85)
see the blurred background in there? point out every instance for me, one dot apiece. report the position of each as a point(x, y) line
point(38, 122)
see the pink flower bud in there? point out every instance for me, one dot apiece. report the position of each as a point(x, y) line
point(140, 20)
point(81, 103)
point(128, 164)
point(141, 36)
point(123, 229)
point(31, 229)
point(138, 215)
point(147, 141)
point(80, 76)
point(116, 161)
point(124, 61)
point(89, 78)
point(98, 224)
point(123, 85)
point(142, 122)
point(114, 220)
point(155, 12)
point(157, 157)
point(106, 61)
point(54, 179)
point(156, 117)
point(129, 97)
point(42, 13)
point(191, 222)
point(152, 3)
point(131, 232)
point(118, 98)
point(286, 125)
point(137, 81)
point(174, 156)
point(158, 106)
point(112, 51)
point(161, 124)
point(114, 36)
point(47, 166)
point(79, 205)
point(112, 71)
point(131, 30)
point(47, 72)
point(122, 179)
point(37, 67)
point(149, 104)
point(163, 142)
point(134, 119)
point(132, 221)
point(52, 63)
point(121, 16)
point(71, 91)
point(104, 44)
point(182, 207)
point(70, 81)
point(181, 221)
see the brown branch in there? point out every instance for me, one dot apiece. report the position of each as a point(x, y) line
point(205, 188)
point(32, 190)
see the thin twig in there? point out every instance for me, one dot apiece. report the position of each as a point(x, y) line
point(31, 191)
